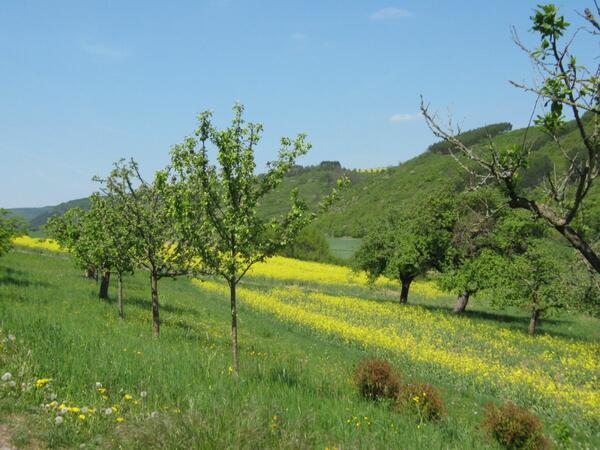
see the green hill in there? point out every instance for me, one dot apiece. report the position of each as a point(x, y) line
point(372, 193)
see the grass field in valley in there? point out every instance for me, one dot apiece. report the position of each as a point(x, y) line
point(303, 326)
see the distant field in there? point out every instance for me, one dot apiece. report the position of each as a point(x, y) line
point(303, 328)
point(343, 247)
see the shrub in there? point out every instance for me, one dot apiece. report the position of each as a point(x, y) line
point(376, 379)
point(514, 427)
point(423, 399)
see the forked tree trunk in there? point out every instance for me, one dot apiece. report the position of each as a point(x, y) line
point(234, 339)
point(104, 282)
point(155, 308)
point(405, 288)
point(533, 322)
point(120, 297)
point(461, 303)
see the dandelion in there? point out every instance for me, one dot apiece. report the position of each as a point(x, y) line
point(58, 420)
point(120, 419)
point(11, 338)
point(154, 414)
point(41, 382)
point(108, 411)
point(12, 384)
point(81, 417)
point(85, 410)
point(98, 385)
point(7, 376)
point(127, 397)
point(105, 397)
point(143, 394)
point(63, 411)
point(230, 370)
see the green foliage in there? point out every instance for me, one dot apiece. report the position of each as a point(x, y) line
point(9, 228)
point(409, 243)
point(217, 208)
point(310, 245)
point(514, 427)
point(472, 137)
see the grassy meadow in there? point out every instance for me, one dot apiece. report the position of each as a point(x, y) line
point(304, 326)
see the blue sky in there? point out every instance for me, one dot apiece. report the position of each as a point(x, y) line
point(84, 83)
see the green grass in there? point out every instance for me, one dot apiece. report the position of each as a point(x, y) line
point(294, 390)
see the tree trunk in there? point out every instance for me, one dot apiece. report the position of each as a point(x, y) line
point(535, 316)
point(120, 297)
point(155, 311)
point(461, 303)
point(234, 340)
point(104, 282)
point(581, 245)
point(404, 291)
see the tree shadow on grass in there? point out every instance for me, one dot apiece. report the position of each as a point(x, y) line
point(20, 278)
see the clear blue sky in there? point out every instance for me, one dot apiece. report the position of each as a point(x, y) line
point(83, 83)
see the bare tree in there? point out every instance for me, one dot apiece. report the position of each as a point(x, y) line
point(565, 85)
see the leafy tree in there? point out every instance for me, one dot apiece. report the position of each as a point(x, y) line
point(533, 280)
point(409, 243)
point(310, 244)
point(466, 268)
point(70, 231)
point(218, 206)
point(566, 84)
point(9, 228)
point(145, 213)
point(98, 240)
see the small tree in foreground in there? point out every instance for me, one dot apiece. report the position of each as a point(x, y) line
point(218, 207)
point(144, 212)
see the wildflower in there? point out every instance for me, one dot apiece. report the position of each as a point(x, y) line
point(154, 414)
point(58, 420)
point(127, 397)
point(85, 410)
point(41, 382)
point(104, 397)
point(81, 417)
point(75, 409)
point(108, 411)
point(11, 338)
point(63, 411)
point(230, 370)
point(98, 385)
point(120, 419)
point(143, 394)
point(7, 376)
point(101, 390)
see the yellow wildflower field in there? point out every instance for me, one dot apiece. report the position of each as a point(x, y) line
point(544, 371)
point(40, 243)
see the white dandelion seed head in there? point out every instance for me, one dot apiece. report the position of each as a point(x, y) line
point(108, 411)
point(84, 410)
point(154, 414)
point(58, 420)
point(11, 337)
point(63, 411)
point(98, 385)
point(143, 394)
point(7, 376)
